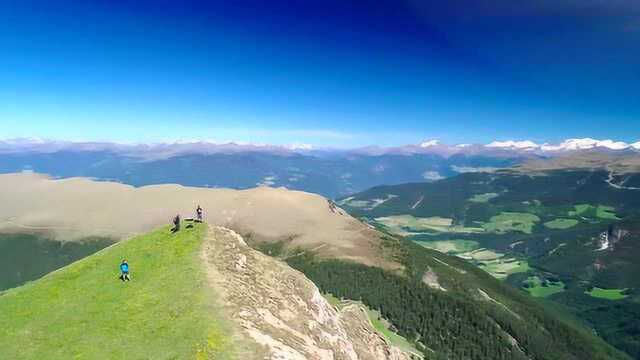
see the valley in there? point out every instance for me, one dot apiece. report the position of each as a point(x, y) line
point(564, 235)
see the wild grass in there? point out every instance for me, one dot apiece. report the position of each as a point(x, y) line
point(83, 311)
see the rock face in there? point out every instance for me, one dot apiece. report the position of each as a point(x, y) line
point(282, 311)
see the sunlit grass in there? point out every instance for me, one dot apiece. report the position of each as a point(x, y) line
point(84, 311)
point(609, 294)
point(537, 288)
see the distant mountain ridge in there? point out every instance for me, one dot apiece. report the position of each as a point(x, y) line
point(432, 146)
point(329, 172)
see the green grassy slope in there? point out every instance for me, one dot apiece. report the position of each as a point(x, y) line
point(83, 311)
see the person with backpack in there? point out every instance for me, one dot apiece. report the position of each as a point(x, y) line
point(176, 224)
point(199, 213)
point(124, 269)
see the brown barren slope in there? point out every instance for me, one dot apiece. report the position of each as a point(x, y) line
point(76, 208)
point(282, 312)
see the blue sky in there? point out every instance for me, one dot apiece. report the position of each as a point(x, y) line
point(328, 73)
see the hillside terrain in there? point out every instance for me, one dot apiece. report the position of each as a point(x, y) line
point(281, 310)
point(569, 236)
point(416, 297)
point(85, 208)
point(84, 311)
point(178, 306)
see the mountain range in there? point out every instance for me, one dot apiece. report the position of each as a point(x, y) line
point(168, 149)
point(329, 172)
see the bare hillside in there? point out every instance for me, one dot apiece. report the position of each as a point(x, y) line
point(282, 311)
point(75, 208)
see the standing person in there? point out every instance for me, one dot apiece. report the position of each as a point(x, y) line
point(124, 268)
point(176, 223)
point(199, 213)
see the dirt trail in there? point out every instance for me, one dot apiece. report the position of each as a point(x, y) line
point(417, 202)
point(282, 311)
point(618, 186)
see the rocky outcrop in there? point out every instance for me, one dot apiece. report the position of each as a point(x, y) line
point(282, 311)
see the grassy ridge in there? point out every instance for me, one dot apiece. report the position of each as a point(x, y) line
point(84, 312)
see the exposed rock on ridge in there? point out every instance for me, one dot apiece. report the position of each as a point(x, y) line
point(282, 311)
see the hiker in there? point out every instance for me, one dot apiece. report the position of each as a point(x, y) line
point(124, 268)
point(176, 223)
point(199, 213)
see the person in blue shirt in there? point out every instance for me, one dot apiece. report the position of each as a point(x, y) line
point(124, 268)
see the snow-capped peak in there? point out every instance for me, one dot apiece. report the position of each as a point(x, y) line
point(512, 144)
point(24, 140)
point(429, 143)
point(299, 146)
point(585, 144)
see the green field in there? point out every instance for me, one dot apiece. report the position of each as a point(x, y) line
point(609, 294)
point(483, 198)
point(581, 209)
point(539, 288)
point(83, 311)
point(591, 211)
point(450, 246)
point(561, 223)
point(406, 225)
point(606, 212)
point(511, 221)
point(504, 266)
point(495, 263)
